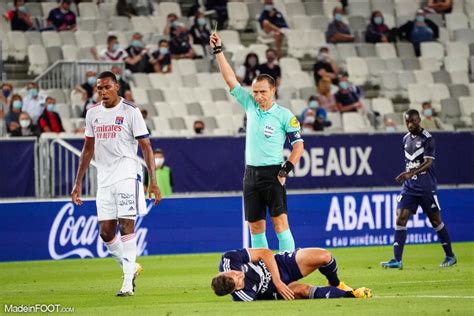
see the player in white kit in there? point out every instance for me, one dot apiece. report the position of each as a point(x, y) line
point(114, 128)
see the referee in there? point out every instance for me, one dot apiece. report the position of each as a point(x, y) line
point(268, 126)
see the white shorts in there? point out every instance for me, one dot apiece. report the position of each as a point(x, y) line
point(124, 199)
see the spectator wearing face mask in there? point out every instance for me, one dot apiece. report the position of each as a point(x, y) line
point(161, 58)
point(62, 18)
point(418, 31)
point(317, 114)
point(20, 19)
point(429, 121)
point(389, 125)
point(171, 22)
point(124, 86)
point(199, 127)
point(112, 52)
point(164, 177)
point(34, 101)
point(180, 43)
point(377, 30)
point(325, 67)
point(26, 127)
point(273, 22)
point(271, 67)
point(346, 99)
point(338, 31)
point(12, 118)
point(138, 59)
point(200, 32)
point(87, 88)
point(249, 70)
point(50, 121)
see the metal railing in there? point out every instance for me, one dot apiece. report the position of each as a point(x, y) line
point(68, 74)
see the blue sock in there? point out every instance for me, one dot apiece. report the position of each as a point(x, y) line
point(286, 241)
point(330, 272)
point(400, 238)
point(259, 240)
point(443, 236)
point(327, 292)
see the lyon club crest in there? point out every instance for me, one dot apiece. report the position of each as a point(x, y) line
point(119, 120)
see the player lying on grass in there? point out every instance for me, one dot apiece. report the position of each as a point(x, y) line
point(257, 274)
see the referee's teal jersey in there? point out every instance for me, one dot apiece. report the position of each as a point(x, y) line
point(266, 130)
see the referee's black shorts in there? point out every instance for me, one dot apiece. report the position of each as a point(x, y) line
point(262, 190)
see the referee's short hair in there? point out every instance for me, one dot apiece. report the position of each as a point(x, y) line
point(108, 74)
point(268, 78)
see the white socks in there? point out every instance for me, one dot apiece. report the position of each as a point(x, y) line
point(129, 245)
point(115, 248)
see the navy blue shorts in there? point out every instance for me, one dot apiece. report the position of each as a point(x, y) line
point(289, 272)
point(429, 202)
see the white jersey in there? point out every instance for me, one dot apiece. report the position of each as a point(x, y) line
point(116, 131)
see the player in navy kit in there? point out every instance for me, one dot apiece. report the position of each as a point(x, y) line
point(256, 274)
point(419, 189)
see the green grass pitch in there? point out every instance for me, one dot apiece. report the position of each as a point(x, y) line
point(180, 285)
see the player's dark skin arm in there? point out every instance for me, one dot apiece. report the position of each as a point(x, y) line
point(413, 172)
point(150, 164)
point(268, 258)
point(84, 161)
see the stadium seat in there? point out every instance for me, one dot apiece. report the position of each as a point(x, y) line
point(51, 39)
point(158, 81)
point(456, 21)
point(459, 90)
point(357, 23)
point(419, 93)
point(54, 54)
point(179, 109)
point(429, 63)
point(436, 18)
point(301, 80)
point(301, 22)
point(150, 108)
point(394, 64)
point(164, 110)
point(161, 123)
point(187, 95)
point(328, 7)
point(451, 112)
point(452, 64)
point(384, 6)
point(405, 50)
point(140, 95)
point(432, 49)
point(385, 50)
point(231, 39)
point(336, 121)
point(84, 39)
point(307, 92)
point(260, 50)
point(238, 15)
point(190, 81)
point(69, 52)
point(203, 94)
point(88, 10)
point(174, 80)
point(224, 108)
point(5, 44)
point(34, 38)
point(467, 109)
point(423, 76)
point(366, 50)
point(457, 49)
point(287, 93)
point(358, 70)
point(67, 38)
point(142, 25)
point(18, 45)
point(346, 51)
point(218, 81)
point(464, 35)
point(390, 86)
point(87, 24)
point(439, 92)
point(405, 78)
point(319, 22)
point(165, 8)
point(195, 109)
point(185, 67)
point(441, 76)
point(382, 105)
point(360, 8)
point(209, 108)
point(459, 77)
point(298, 105)
point(219, 94)
point(141, 80)
point(296, 47)
point(47, 6)
point(376, 67)
point(155, 95)
point(107, 10)
point(355, 122)
point(35, 9)
point(120, 23)
point(313, 7)
point(38, 59)
point(406, 7)
point(205, 80)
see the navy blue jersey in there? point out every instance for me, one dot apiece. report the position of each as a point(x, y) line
point(258, 280)
point(417, 148)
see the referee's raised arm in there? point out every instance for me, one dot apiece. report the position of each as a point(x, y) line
point(226, 70)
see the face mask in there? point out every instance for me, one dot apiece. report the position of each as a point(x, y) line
point(137, 43)
point(428, 112)
point(420, 18)
point(201, 21)
point(174, 23)
point(91, 80)
point(116, 47)
point(51, 107)
point(313, 104)
point(22, 9)
point(198, 130)
point(268, 7)
point(338, 17)
point(6, 93)
point(164, 50)
point(33, 92)
point(391, 129)
point(24, 123)
point(17, 104)
point(323, 56)
point(309, 120)
point(344, 85)
point(378, 20)
point(159, 162)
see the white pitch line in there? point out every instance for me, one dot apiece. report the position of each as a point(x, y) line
point(425, 296)
point(415, 282)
